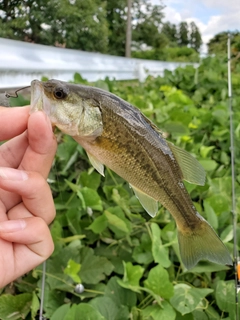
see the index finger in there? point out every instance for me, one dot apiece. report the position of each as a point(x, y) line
point(13, 121)
point(42, 145)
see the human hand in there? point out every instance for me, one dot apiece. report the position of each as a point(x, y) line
point(26, 204)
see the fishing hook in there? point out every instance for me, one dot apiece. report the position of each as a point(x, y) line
point(9, 95)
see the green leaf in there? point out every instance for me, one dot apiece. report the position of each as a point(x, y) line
point(142, 253)
point(99, 224)
point(91, 199)
point(120, 295)
point(72, 269)
point(200, 315)
point(102, 85)
point(115, 222)
point(209, 165)
point(219, 203)
point(132, 276)
point(83, 311)
point(221, 114)
point(176, 127)
point(91, 180)
point(225, 296)
point(15, 307)
point(205, 266)
point(56, 232)
point(35, 305)
point(157, 312)
point(211, 215)
point(61, 312)
point(109, 309)
point(73, 218)
point(158, 282)
point(93, 268)
point(227, 234)
point(160, 254)
point(211, 313)
point(54, 300)
point(186, 298)
point(188, 316)
point(204, 151)
point(79, 79)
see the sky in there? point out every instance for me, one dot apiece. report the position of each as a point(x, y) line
point(211, 16)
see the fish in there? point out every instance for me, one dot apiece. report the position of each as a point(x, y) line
point(116, 134)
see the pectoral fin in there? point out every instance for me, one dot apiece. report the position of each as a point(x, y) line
point(148, 203)
point(192, 170)
point(96, 164)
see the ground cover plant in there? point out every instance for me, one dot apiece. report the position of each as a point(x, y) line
point(129, 263)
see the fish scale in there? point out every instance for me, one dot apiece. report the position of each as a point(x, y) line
point(141, 167)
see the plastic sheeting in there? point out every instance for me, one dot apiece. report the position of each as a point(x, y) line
point(21, 62)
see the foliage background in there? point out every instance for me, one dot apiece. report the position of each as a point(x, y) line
point(95, 25)
point(129, 263)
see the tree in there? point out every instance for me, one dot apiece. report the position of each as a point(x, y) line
point(13, 20)
point(116, 19)
point(82, 24)
point(146, 22)
point(218, 44)
point(195, 37)
point(75, 24)
point(183, 34)
point(170, 31)
point(148, 26)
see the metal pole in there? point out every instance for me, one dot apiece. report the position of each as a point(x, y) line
point(42, 291)
point(234, 215)
point(129, 31)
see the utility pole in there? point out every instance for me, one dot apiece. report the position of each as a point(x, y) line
point(129, 30)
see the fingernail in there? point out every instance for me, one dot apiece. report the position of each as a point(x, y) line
point(12, 225)
point(13, 174)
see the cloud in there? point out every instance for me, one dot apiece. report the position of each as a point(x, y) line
point(172, 15)
point(223, 5)
point(211, 16)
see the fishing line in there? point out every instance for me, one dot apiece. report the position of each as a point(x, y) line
point(234, 215)
point(15, 95)
point(42, 291)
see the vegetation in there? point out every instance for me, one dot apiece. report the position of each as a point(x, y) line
point(95, 25)
point(217, 45)
point(176, 54)
point(74, 24)
point(129, 263)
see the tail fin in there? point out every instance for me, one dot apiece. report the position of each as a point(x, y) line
point(202, 243)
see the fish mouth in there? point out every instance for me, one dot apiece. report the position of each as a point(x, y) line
point(39, 101)
point(36, 96)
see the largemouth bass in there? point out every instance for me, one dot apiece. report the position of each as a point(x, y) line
point(116, 134)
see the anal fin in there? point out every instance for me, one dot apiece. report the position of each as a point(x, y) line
point(96, 164)
point(148, 203)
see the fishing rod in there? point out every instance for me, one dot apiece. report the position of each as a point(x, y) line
point(234, 214)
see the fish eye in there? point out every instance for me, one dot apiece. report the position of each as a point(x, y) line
point(59, 93)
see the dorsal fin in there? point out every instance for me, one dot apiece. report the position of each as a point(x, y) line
point(192, 171)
